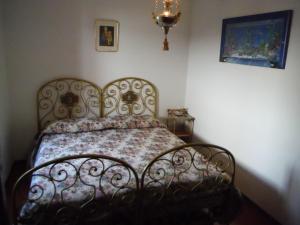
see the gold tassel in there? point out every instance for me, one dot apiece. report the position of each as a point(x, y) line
point(166, 44)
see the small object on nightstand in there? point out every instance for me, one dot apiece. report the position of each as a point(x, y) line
point(181, 123)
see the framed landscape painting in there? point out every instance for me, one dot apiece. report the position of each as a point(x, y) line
point(107, 35)
point(258, 40)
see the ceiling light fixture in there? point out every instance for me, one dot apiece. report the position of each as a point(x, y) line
point(166, 15)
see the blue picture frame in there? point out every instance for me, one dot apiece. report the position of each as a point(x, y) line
point(257, 40)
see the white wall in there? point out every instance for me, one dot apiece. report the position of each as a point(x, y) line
point(50, 38)
point(253, 111)
point(4, 106)
point(250, 110)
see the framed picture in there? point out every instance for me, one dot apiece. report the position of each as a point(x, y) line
point(107, 35)
point(258, 40)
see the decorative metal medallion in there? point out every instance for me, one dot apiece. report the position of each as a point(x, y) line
point(129, 97)
point(69, 99)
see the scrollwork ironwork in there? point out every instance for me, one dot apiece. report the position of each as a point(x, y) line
point(67, 98)
point(129, 96)
point(185, 185)
point(189, 168)
point(104, 184)
point(194, 181)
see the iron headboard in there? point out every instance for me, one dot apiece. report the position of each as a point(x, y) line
point(129, 96)
point(67, 98)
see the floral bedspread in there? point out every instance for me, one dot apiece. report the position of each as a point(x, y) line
point(135, 140)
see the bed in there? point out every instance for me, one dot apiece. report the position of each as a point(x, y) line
point(102, 156)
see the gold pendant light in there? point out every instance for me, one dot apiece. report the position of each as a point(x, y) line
point(166, 15)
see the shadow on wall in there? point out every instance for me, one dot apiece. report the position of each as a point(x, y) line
point(262, 193)
point(57, 50)
point(293, 194)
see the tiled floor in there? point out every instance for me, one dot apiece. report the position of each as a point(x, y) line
point(249, 215)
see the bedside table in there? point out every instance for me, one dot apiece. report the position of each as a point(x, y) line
point(181, 124)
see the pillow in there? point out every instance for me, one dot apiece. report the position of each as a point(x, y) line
point(114, 122)
point(135, 121)
point(74, 125)
point(144, 122)
point(61, 126)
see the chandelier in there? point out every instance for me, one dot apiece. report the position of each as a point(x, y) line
point(166, 15)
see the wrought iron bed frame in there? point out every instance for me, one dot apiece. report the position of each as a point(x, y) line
point(158, 195)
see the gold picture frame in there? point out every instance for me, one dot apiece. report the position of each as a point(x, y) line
point(107, 35)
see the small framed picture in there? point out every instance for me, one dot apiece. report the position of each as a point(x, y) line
point(107, 35)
